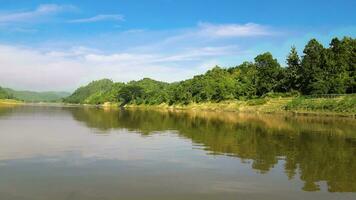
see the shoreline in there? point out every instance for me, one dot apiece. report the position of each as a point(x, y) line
point(286, 105)
point(10, 102)
point(281, 105)
point(279, 112)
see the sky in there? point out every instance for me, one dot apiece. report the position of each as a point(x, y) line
point(60, 45)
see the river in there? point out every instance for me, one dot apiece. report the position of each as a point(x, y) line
point(82, 153)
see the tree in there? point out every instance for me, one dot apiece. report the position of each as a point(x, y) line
point(343, 68)
point(245, 76)
point(293, 71)
point(268, 73)
point(130, 93)
point(350, 43)
point(312, 80)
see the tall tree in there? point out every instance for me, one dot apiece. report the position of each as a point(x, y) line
point(268, 73)
point(293, 70)
point(312, 77)
point(346, 56)
point(336, 66)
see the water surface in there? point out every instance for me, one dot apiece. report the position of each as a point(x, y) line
point(74, 153)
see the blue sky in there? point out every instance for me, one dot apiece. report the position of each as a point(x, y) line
point(59, 45)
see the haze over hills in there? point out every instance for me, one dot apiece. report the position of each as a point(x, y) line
point(31, 96)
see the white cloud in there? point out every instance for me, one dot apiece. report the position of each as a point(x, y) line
point(37, 14)
point(98, 18)
point(162, 55)
point(234, 30)
point(26, 68)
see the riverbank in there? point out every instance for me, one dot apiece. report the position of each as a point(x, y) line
point(344, 105)
point(336, 106)
point(10, 102)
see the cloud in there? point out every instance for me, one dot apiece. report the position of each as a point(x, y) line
point(234, 30)
point(33, 15)
point(28, 68)
point(98, 18)
point(166, 55)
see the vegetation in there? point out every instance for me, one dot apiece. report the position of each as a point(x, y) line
point(30, 96)
point(4, 94)
point(9, 102)
point(318, 71)
point(95, 92)
point(340, 104)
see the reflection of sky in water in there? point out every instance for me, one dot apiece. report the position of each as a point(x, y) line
point(90, 154)
point(36, 140)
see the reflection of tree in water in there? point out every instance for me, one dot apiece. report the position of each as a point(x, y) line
point(319, 150)
point(316, 149)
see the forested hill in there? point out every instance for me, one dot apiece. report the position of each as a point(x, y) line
point(30, 96)
point(319, 70)
point(90, 93)
point(4, 94)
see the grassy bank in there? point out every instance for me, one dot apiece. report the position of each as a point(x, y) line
point(336, 105)
point(344, 105)
point(340, 106)
point(9, 102)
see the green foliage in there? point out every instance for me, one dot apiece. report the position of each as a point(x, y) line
point(269, 72)
point(131, 93)
point(292, 78)
point(245, 76)
point(149, 91)
point(311, 73)
point(215, 85)
point(91, 93)
point(5, 94)
point(331, 70)
point(319, 71)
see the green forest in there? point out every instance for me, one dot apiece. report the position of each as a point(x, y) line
point(319, 70)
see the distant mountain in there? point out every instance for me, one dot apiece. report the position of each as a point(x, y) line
point(30, 96)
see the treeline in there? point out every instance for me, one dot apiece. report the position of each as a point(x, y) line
point(319, 70)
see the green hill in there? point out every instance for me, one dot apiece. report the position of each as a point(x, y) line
point(4, 94)
point(91, 92)
point(146, 90)
point(30, 96)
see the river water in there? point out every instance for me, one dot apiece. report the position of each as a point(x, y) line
point(80, 153)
